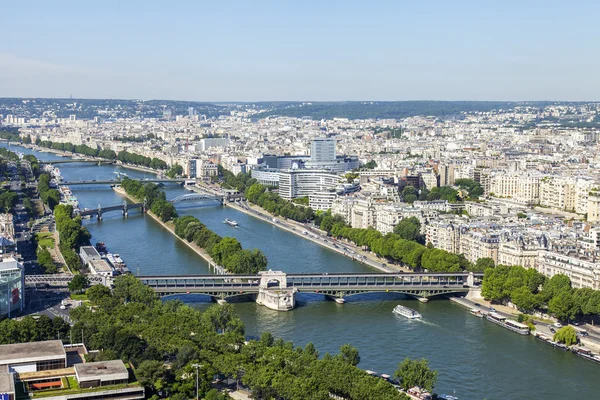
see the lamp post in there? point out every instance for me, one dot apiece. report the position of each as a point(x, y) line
point(197, 366)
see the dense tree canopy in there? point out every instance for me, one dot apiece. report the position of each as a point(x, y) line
point(226, 252)
point(413, 373)
point(409, 229)
point(71, 234)
point(163, 340)
point(531, 291)
point(273, 203)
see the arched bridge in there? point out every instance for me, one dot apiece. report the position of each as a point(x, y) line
point(124, 208)
point(196, 197)
point(336, 285)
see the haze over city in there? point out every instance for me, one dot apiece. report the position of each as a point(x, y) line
point(308, 51)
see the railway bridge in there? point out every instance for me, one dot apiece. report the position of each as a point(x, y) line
point(276, 289)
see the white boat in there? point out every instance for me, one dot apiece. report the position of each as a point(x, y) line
point(508, 323)
point(230, 222)
point(477, 312)
point(407, 312)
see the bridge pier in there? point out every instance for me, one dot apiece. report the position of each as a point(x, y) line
point(273, 292)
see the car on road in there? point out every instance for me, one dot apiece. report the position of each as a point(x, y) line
point(557, 325)
point(552, 330)
point(492, 309)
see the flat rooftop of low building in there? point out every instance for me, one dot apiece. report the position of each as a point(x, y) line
point(7, 383)
point(49, 373)
point(90, 251)
point(8, 264)
point(100, 266)
point(32, 351)
point(103, 370)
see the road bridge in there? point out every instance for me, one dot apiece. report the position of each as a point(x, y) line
point(59, 279)
point(83, 160)
point(125, 207)
point(337, 286)
point(118, 181)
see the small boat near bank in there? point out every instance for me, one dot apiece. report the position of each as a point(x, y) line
point(407, 312)
point(230, 222)
point(588, 355)
point(508, 323)
point(477, 312)
point(546, 339)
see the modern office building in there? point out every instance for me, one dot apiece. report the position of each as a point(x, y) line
point(12, 287)
point(304, 182)
point(322, 150)
point(207, 143)
point(266, 176)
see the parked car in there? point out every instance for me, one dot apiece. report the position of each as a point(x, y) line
point(557, 324)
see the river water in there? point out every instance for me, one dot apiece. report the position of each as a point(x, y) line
point(475, 358)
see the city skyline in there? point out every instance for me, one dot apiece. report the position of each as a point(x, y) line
point(309, 52)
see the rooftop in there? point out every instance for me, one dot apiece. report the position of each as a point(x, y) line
point(8, 264)
point(90, 251)
point(7, 383)
point(103, 370)
point(32, 351)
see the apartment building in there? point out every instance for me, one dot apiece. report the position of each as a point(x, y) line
point(517, 252)
point(557, 193)
point(583, 270)
point(444, 235)
point(523, 188)
point(478, 244)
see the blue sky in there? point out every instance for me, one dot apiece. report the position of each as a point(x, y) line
point(301, 50)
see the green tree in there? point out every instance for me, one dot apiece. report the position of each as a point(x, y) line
point(349, 354)
point(412, 373)
point(78, 283)
point(45, 261)
point(563, 306)
point(408, 228)
point(150, 373)
point(566, 335)
point(484, 263)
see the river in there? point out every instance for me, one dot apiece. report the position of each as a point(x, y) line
point(475, 358)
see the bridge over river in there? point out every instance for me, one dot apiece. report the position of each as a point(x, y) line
point(125, 207)
point(276, 289)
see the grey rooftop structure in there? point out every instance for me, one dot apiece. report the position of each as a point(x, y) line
point(32, 352)
point(101, 373)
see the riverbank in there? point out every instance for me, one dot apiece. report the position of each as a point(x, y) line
point(171, 228)
point(88, 158)
point(588, 342)
point(319, 238)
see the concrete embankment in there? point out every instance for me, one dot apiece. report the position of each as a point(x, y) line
point(171, 228)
